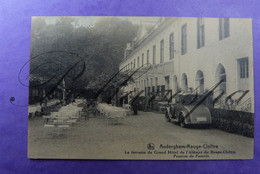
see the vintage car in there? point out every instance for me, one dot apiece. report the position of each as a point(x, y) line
point(188, 110)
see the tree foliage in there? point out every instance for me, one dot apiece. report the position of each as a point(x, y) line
point(100, 47)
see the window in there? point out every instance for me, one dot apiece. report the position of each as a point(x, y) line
point(171, 46)
point(184, 82)
point(156, 84)
point(167, 82)
point(134, 64)
point(153, 89)
point(154, 54)
point(162, 90)
point(221, 75)
point(200, 33)
point(200, 82)
point(145, 90)
point(184, 39)
point(138, 61)
point(223, 28)
point(175, 88)
point(162, 52)
point(243, 68)
point(156, 81)
point(147, 57)
point(243, 73)
point(142, 59)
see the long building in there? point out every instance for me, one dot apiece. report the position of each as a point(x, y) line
point(194, 54)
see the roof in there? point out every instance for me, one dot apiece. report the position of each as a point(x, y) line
point(146, 31)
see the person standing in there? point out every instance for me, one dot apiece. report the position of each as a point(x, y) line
point(134, 105)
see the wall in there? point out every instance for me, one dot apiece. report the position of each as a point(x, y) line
point(206, 59)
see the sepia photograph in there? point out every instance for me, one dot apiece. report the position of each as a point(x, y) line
point(140, 88)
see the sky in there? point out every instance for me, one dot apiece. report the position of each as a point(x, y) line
point(90, 20)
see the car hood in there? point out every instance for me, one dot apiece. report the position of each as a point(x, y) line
point(198, 111)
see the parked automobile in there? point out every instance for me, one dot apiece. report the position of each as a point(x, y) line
point(188, 110)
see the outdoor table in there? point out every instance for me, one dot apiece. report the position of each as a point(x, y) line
point(67, 115)
point(111, 113)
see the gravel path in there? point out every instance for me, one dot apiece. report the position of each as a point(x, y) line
point(95, 139)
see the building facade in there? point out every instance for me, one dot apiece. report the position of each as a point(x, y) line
point(192, 55)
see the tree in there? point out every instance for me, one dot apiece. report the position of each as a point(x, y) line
point(56, 48)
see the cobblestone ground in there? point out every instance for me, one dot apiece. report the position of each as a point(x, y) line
point(96, 139)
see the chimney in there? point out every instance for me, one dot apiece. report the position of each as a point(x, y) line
point(128, 49)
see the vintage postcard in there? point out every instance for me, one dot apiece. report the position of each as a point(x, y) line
point(156, 88)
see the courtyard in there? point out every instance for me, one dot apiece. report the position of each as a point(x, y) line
point(97, 139)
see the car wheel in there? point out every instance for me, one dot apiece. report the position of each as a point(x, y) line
point(167, 117)
point(182, 120)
